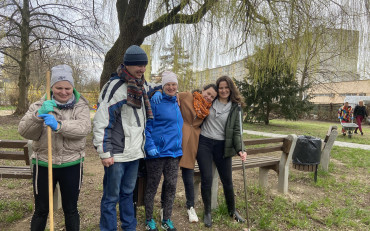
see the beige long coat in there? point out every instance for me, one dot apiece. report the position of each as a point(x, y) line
point(190, 130)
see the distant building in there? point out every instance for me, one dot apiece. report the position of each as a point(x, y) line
point(334, 59)
point(235, 70)
point(336, 92)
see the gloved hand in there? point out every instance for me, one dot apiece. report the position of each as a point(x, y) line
point(47, 106)
point(50, 121)
point(157, 97)
point(153, 152)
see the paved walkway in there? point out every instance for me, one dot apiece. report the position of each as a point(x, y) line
point(336, 143)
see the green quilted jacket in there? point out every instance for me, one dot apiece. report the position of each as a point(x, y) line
point(232, 133)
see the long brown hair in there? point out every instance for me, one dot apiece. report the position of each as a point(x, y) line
point(235, 95)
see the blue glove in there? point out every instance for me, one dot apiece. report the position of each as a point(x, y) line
point(47, 106)
point(157, 97)
point(50, 121)
point(153, 152)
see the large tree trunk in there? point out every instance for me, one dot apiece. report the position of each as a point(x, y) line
point(131, 32)
point(131, 16)
point(24, 71)
point(111, 62)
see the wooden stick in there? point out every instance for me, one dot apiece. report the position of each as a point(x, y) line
point(50, 160)
point(243, 164)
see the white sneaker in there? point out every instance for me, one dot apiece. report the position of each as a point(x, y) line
point(192, 215)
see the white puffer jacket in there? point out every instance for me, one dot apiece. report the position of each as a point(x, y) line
point(119, 128)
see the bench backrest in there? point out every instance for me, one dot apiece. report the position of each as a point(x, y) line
point(282, 144)
point(5, 153)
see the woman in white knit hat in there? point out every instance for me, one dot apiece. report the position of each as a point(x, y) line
point(68, 115)
point(163, 151)
point(194, 108)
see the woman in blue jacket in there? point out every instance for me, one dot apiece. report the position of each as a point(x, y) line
point(163, 149)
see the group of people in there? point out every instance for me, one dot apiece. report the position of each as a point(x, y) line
point(346, 115)
point(135, 120)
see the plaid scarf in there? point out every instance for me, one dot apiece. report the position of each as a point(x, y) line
point(201, 106)
point(136, 91)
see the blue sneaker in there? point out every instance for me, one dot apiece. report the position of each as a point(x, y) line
point(167, 225)
point(150, 225)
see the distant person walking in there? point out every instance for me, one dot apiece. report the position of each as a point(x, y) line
point(345, 115)
point(360, 113)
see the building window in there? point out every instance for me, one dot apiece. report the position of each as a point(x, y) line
point(324, 95)
point(347, 94)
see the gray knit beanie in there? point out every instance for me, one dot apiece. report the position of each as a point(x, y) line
point(135, 56)
point(61, 73)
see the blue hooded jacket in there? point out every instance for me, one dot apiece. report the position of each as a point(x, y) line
point(164, 132)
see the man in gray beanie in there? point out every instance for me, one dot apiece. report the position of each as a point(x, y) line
point(119, 136)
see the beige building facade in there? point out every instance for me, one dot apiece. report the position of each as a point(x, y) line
point(235, 70)
point(336, 92)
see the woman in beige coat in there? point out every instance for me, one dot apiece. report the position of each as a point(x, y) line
point(70, 122)
point(194, 109)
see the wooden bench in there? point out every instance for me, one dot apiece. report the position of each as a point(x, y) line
point(264, 162)
point(22, 172)
point(22, 152)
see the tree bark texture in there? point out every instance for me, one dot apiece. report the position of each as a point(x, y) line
point(24, 71)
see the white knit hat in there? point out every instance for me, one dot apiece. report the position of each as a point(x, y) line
point(168, 77)
point(61, 73)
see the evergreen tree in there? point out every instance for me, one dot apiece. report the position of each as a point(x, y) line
point(177, 60)
point(271, 87)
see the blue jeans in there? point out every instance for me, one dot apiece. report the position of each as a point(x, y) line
point(118, 186)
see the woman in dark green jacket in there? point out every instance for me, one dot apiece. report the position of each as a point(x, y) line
point(219, 141)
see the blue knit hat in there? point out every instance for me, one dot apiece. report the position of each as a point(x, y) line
point(135, 56)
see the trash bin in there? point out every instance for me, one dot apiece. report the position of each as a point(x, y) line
point(307, 154)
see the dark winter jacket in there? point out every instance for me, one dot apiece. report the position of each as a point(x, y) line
point(232, 133)
point(360, 111)
point(164, 131)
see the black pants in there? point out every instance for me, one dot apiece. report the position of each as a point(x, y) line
point(69, 181)
point(155, 167)
point(188, 179)
point(213, 150)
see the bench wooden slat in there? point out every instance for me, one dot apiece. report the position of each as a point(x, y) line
point(263, 141)
point(15, 172)
point(11, 155)
point(22, 172)
point(256, 162)
point(251, 162)
point(13, 143)
point(252, 151)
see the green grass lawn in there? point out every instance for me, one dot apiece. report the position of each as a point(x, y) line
point(7, 108)
point(308, 127)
